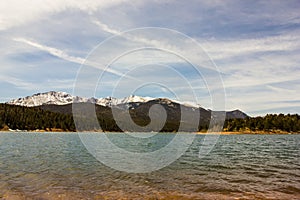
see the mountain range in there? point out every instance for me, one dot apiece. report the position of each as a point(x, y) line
point(108, 108)
point(53, 100)
point(63, 98)
point(58, 111)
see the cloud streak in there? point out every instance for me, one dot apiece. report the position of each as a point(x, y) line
point(53, 51)
point(19, 12)
point(246, 47)
point(63, 55)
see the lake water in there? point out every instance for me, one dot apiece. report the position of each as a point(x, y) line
point(58, 166)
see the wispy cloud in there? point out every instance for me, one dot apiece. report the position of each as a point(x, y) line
point(19, 12)
point(53, 51)
point(245, 47)
point(106, 28)
point(63, 55)
point(19, 83)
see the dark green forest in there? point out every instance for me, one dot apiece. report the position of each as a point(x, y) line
point(25, 118)
point(60, 117)
point(270, 122)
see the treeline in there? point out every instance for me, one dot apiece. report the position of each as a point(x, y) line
point(39, 118)
point(270, 122)
point(25, 118)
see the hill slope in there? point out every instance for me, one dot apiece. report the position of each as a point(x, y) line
point(49, 117)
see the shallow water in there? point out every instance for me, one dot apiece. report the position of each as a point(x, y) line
point(58, 166)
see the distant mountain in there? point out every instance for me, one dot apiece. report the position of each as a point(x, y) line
point(139, 113)
point(59, 101)
point(236, 114)
point(56, 98)
point(63, 98)
point(59, 118)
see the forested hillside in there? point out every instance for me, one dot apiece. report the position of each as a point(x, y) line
point(25, 118)
point(270, 122)
point(60, 117)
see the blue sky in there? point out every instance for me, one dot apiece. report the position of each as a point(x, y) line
point(254, 44)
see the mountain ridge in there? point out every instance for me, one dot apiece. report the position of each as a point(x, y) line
point(60, 118)
point(63, 98)
point(57, 102)
point(52, 117)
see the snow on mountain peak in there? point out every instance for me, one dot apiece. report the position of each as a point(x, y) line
point(38, 99)
point(63, 98)
point(134, 98)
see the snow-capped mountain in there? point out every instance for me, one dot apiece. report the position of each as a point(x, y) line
point(57, 98)
point(130, 102)
point(63, 98)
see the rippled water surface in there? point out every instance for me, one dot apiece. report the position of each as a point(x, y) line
point(57, 166)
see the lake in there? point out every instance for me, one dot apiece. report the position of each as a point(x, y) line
point(58, 166)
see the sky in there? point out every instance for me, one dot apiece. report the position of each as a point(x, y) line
point(246, 51)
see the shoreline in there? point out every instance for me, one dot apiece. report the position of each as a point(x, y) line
point(277, 132)
point(250, 133)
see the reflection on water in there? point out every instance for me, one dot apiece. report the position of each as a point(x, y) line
point(57, 166)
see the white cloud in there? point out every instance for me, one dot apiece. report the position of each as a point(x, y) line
point(20, 12)
point(53, 51)
point(63, 55)
point(247, 63)
point(242, 47)
point(106, 28)
point(225, 52)
point(136, 35)
point(17, 82)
